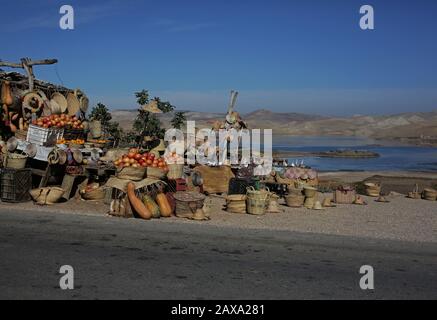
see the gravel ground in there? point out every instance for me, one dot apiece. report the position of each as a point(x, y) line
point(401, 219)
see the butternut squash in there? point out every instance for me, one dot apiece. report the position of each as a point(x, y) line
point(164, 205)
point(137, 205)
point(152, 206)
point(6, 93)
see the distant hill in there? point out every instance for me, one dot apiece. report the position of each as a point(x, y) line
point(388, 126)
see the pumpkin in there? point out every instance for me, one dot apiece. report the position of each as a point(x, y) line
point(137, 205)
point(152, 206)
point(164, 205)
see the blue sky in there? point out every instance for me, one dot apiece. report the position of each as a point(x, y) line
point(288, 56)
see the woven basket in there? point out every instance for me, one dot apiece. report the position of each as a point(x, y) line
point(175, 171)
point(131, 173)
point(96, 194)
point(16, 161)
point(344, 197)
point(294, 200)
point(49, 195)
point(236, 203)
point(257, 201)
point(430, 194)
point(155, 173)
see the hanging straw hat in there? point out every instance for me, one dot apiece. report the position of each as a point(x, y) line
point(84, 103)
point(62, 156)
point(12, 144)
point(77, 155)
point(73, 104)
point(32, 102)
point(152, 107)
point(60, 100)
point(31, 150)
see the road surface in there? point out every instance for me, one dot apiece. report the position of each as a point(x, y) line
point(132, 259)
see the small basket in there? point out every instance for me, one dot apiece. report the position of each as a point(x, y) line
point(257, 201)
point(131, 173)
point(16, 161)
point(345, 196)
point(175, 171)
point(310, 192)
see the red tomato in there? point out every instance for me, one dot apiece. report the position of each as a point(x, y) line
point(137, 156)
point(131, 155)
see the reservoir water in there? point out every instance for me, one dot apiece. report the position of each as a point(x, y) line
point(392, 157)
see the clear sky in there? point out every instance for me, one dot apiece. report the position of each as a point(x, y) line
point(289, 56)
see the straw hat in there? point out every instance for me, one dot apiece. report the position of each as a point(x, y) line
point(73, 104)
point(199, 215)
point(77, 155)
point(60, 100)
point(84, 103)
point(12, 144)
point(62, 157)
point(382, 199)
point(31, 150)
point(318, 206)
point(33, 102)
point(359, 201)
point(152, 107)
point(327, 203)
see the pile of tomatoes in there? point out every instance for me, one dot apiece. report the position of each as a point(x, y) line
point(136, 159)
point(59, 121)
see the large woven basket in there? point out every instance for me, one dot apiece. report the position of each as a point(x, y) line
point(257, 201)
point(131, 173)
point(175, 171)
point(430, 194)
point(49, 195)
point(16, 161)
point(294, 200)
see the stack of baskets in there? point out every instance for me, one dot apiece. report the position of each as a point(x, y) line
point(373, 189)
point(236, 203)
point(310, 197)
point(257, 201)
point(295, 197)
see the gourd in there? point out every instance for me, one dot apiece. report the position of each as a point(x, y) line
point(137, 205)
point(164, 205)
point(152, 206)
point(6, 94)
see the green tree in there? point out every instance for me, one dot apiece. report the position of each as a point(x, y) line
point(101, 113)
point(146, 123)
point(178, 120)
point(115, 131)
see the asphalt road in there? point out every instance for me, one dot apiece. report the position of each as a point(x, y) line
point(132, 259)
